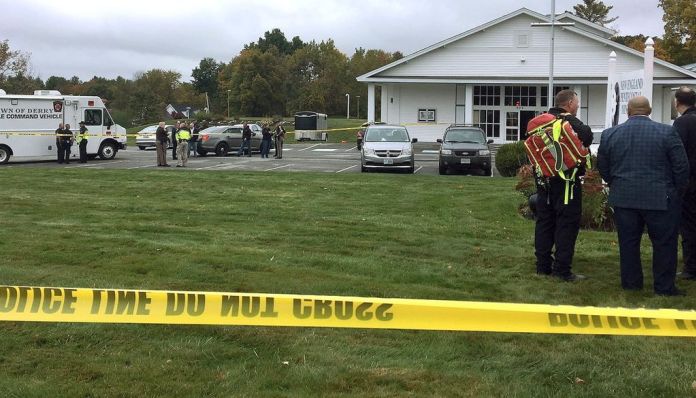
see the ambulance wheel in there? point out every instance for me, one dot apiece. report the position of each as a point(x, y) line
point(107, 151)
point(5, 154)
point(488, 172)
point(442, 169)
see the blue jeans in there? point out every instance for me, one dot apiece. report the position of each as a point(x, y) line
point(193, 148)
point(265, 148)
point(246, 143)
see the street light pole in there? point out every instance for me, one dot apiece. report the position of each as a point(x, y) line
point(228, 103)
point(358, 97)
point(553, 23)
point(348, 110)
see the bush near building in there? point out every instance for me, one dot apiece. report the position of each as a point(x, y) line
point(509, 159)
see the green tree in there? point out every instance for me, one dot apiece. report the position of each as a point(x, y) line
point(12, 63)
point(680, 29)
point(637, 42)
point(205, 76)
point(257, 82)
point(594, 11)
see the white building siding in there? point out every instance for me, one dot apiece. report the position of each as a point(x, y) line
point(596, 111)
point(493, 53)
point(408, 99)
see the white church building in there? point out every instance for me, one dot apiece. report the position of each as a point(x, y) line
point(496, 76)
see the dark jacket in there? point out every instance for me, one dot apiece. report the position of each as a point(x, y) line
point(644, 163)
point(246, 133)
point(686, 127)
point(161, 135)
point(194, 133)
point(266, 134)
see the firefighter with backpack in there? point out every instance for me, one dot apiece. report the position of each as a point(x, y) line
point(557, 149)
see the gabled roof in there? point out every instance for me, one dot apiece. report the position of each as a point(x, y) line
point(575, 18)
point(543, 18)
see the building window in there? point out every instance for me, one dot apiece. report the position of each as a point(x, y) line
point(520, 96)
point(545, 92)
point(489, 121)
point(487, 95)
point(426, 115)
point(521, 39)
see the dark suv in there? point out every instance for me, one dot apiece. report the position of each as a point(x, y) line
point(465, 148)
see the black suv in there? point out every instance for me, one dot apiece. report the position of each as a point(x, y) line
point(464, 147)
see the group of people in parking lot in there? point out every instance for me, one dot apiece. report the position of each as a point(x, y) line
point(650, 171)
point(184, 139)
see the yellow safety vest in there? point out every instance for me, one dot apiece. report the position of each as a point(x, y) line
point(183, 135)
point(82, 136)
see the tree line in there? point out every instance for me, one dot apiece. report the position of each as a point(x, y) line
point(275, 76)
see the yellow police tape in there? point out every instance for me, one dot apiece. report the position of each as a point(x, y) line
point(48, 304)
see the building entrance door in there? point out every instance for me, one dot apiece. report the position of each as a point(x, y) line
point(512, 125)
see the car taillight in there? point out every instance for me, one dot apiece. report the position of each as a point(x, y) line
point(205, 137)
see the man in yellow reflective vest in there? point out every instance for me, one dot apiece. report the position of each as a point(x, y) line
point(82, 138)
point(182, 138)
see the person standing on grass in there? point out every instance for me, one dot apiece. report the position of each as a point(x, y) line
point(182, 138)
point(646, 168)
point(558, 222)
point(685, 102)
point(82, 138)
point(279, 139)
point(265, 141)
point(161, 139)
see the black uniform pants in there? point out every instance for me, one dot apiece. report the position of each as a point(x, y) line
point(688, 230)
point(174, 146)
point(557, 225)
point(60, 150)
point(83, 151)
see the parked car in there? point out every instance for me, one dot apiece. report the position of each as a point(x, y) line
point(146, 137)
point(465, 148)
point(223, 139)
point(387, 147)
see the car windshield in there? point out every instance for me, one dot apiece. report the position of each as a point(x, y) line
point(149, 129)
point(389, 134)
point(467, 136)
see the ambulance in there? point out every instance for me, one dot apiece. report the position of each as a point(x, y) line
point(28, 124)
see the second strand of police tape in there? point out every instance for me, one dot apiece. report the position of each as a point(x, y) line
point(48, 304)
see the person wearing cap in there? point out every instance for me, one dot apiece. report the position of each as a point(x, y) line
point(82, 138)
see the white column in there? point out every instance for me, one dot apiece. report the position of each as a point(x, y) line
point(469, 104)
point(649, 69)
point(370, 102)
point(386, 94)
point(611, 94)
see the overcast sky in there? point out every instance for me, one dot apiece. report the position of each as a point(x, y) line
point(111, 38)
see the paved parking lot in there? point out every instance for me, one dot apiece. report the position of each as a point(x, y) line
point(317, 157)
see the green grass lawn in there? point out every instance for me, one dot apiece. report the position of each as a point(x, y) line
point(381, 235)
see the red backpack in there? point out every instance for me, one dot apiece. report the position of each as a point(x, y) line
point(554, 149)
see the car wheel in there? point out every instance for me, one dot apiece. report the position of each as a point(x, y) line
point(488, 172)
point(142, 148)
point(221, 149)
point(442, 169)
point(202, 152)
point(4, 154)
point(411, 169)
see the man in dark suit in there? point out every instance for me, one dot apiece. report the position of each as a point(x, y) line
point(645, 165)
point(685, 102)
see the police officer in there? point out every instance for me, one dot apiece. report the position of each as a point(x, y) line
point(67, 142)
point(279, 139)
point(685, 125)
point(59, 143)
point(182, 138)
point(174, 131)
point(82, 138)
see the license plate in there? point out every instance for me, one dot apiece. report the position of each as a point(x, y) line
point(388, 161)
point(465, 161)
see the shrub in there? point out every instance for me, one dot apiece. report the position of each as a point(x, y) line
point(510, 158)
point(596, 213)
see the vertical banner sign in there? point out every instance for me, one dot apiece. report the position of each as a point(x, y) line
point(624, 87)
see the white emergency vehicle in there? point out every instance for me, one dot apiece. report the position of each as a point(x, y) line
point(28, 124)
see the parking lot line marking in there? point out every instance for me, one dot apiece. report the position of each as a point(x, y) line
point(325, 150)
point(348, 150)
point(280, 167)
point(309, 147)
point(347, 168)
point(430, 151)
point(418, 169)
